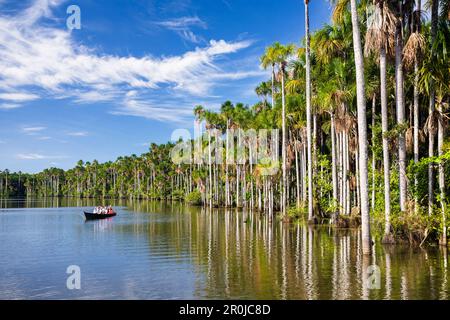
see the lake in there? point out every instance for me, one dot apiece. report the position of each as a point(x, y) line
point(168, 250)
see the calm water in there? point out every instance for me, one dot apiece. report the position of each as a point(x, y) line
point(155, 250)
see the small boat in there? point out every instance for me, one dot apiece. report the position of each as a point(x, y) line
point(95, 216)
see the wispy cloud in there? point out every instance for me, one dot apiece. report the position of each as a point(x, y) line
point(144, 144)
point(18, 96)
point(183, 23)
point(44, 138)
point(147, 109)
point(9, 106)
point(37, 156)
point(78, 133)
point(32, 130)
point(183, 27)
point(48, 61)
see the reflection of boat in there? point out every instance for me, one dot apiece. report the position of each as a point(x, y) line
point(95, 216)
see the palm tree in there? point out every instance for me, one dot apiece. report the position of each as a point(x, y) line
point(378, 39)
point(263, 90)
point(400, 106)
point(277, 54)
point(412, 54)
point(308, 114)
point(431, 109)
point(362, 130)
point(269, 59)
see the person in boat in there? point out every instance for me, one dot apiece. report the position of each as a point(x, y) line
point(110, 210)
point(95, 210)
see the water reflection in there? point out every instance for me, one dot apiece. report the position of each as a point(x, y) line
point(240, 254)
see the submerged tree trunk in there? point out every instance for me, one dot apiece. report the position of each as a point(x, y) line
point(362, 130)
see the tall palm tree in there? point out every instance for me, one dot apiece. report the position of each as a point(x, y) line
point(308, 114)
point(379, 36)
point(431, 109)
point(278, 54)
point(268, 59)
point(362, 130)
point(400, 105)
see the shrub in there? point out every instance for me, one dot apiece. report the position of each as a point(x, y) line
point(194, 198)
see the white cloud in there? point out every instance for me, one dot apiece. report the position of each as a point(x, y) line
point(18, 96)
point(9, 106)
point(78, 134)
point(33, 130)
point(144, 144)
point(149, 110)
point(37, 156)
point(43, 138)
point(183, 23)
point(182, 26)
point(47, 60)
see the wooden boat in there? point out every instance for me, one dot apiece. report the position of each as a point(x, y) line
point(95, 216)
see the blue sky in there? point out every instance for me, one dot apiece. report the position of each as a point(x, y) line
point(131, 74)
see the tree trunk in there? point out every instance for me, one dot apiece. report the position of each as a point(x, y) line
point(362, 130)
point(373, 151)
point(384, 130)
point(416, 119)
point(333, 167)
point(308, 114)
point(283, 150)
point(400, 103)
point(273, 85)
point(297, 174)
point(434, 25)
point(441, 171)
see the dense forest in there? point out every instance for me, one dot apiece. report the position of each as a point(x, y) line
point(362, 107)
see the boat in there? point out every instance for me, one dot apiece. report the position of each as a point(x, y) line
point(96, 216)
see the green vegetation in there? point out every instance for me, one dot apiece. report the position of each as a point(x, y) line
point(389, 176)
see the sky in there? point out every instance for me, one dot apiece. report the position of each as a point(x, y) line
point(131, 74)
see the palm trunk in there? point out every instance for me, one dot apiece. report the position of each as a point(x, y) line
point(400, 102)
point(442, 181)
point(362, 130)
point(416, 122)
point(304, 170)
point(308, 114)
point(384, 130)
point(227, 185)
point(297, 174)
point(333, 166)
point(434, 25)
point(283, 116)
point(210, 169)
point(273, 85)
point(347, 166)
point(373, 151)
